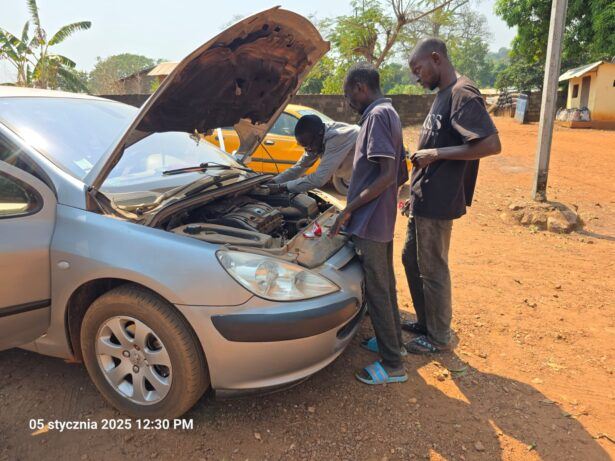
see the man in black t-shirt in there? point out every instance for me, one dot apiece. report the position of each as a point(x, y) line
point(455, 135)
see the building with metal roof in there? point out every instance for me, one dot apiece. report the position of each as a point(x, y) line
point(163, 69)
point(592, 86)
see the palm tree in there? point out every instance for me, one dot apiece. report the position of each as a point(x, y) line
point(35, 63)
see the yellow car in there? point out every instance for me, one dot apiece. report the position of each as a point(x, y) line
point(279, 150)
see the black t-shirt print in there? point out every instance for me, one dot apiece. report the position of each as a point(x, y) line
point(458, 115)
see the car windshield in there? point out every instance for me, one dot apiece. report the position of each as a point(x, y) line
point(73, 133)
point(322, 116)
point(142, 164)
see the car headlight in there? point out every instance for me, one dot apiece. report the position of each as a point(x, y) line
point(273, 279)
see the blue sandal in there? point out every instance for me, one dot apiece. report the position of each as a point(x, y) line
point(377, 374)
point(371, 345)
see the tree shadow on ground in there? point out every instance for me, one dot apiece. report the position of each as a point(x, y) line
point(596, 235)
point(502, 408)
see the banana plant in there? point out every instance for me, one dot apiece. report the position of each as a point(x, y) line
point(34, 61)
point(18, 52)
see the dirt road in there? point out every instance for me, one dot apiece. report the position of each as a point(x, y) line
point(535, 313)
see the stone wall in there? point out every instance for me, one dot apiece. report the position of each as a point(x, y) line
point(412, 108)
point(533, 107)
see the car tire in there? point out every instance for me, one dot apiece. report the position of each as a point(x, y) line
point(340, 185)
point(149, 388)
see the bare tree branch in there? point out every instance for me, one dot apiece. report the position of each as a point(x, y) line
point(439, 7)
point(402, 10)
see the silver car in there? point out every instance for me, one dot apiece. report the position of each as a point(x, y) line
point(130, 243)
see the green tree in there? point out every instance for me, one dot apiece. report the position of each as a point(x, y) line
point(500, 56)
point(471, 58)
point(588, 37)
point(104, 78)
point(334, 82)
point(314, 82)
point(520, 75)
point(18, 53)
point(395, 79)
point(78, 81)
point(466, 34)
point(374, 30)
point(453, 20)
point(603, 27)
point(32, 57)
point(500, 60)
point(377, 31)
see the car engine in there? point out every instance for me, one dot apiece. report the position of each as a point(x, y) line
point(255, 219)
point(242, 214)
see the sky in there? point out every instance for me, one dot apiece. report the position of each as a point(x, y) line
point(169, 30)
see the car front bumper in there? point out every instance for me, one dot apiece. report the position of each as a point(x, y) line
point(266, 345)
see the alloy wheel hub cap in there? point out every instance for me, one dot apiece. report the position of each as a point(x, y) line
point(133, 360)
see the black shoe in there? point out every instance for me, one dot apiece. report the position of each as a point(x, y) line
point(413, 327)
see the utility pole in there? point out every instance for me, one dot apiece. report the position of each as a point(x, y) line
point(549, 98)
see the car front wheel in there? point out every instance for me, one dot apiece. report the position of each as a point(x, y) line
point(142, 355)
point(340, 185)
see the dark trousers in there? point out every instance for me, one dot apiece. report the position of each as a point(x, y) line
point(425, 258)
point(380, 292)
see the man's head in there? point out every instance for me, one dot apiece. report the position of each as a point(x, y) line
point(309, 133)
point(362, 86)
point(428, 61)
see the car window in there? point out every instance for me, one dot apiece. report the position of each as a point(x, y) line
point(73, 133)
point(322, 116)
point(285, 125)
point(14, 155)
point(17, 198)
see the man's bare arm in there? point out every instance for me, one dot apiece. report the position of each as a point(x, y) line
point(470, 151)
point(386, 177)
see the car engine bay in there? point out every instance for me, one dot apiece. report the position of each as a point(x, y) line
point(255, 219)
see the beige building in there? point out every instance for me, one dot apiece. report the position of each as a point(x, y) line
point(162, 70)
point(147, 80)
point(593, 86)
point(138, 83)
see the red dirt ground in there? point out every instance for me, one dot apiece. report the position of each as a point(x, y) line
point(535, 313)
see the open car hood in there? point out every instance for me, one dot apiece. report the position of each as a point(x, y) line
point(243, 77)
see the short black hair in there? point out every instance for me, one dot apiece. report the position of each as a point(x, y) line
point(311, 124)
point(427, 46)
point(363, 72)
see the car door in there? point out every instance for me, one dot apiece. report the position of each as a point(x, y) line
point(229, 137)
point(27, 219)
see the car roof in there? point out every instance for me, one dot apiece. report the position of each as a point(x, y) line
point(295, 108)
point(21, 92)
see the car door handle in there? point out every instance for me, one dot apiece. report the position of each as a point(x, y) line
point(269, 142)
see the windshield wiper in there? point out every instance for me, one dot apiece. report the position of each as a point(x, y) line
point(203, 167)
